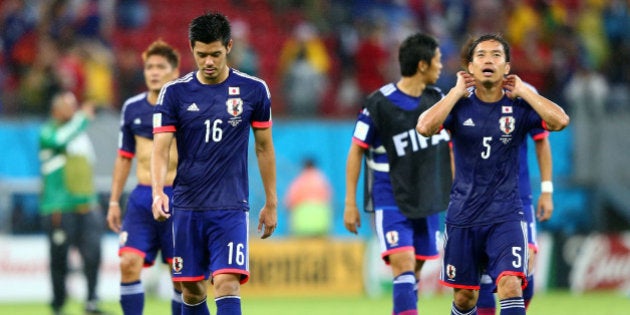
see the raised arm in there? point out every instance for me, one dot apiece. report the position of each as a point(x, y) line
point(551, 113)
point(431, 120)
point(266, 155)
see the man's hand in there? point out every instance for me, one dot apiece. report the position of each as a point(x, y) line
point(514, 86)
point(464, 82)
point(545, 207)
point(351, 218)
point(268, 220)
point(113, 217)
point(161, 212)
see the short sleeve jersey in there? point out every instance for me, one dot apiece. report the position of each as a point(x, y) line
point(486, 142)
point(212, 126)
point(136, 120)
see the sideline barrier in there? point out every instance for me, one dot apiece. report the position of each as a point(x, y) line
point(305, 267)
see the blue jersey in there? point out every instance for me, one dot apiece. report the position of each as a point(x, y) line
point(212, 126)
point(136, 120)
point(486, 141)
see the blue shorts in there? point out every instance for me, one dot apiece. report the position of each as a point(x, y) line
point(498, 249)
point(398, 233)
point(530, 218)
point(209, 243)
point(141, 233)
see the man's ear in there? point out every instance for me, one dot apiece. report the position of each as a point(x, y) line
point(229, 46)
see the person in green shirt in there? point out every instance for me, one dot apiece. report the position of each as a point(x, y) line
point(68, 197)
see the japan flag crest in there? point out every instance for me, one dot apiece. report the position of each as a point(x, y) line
point(234, 106)
point(506, 124)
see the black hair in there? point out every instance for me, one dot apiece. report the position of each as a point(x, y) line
point(487, 37)
point(416, 48)
point(208, 28)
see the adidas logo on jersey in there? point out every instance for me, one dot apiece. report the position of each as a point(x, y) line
point(193, 108)
point(469, 122)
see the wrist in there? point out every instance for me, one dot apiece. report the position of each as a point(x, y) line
point(113, 203)
point(546, 186)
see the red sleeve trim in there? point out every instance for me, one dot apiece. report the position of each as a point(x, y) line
point(541, 135)
point(126, 154)
point(360, 143)
point(262, 124)
point(544, 125)
point(164, 129)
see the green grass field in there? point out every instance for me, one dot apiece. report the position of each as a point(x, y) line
point(550, 303)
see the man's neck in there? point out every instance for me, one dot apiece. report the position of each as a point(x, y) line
point(411, 86)
point(152, 97)
point(489, 94)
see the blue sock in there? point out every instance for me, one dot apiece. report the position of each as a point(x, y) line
point(200, 308)
point(486, 304)
point(416, 288)
point(176, 302)
point(228, 305)
point(512, 306)
point(132, 298)
point(456, 311)
point(528, 292)
point(405, 296)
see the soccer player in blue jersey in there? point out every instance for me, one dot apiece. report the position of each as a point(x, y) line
point(486, 305)
point(141, 237)
point(209, 112)
point(411, 173)
point(485, 227)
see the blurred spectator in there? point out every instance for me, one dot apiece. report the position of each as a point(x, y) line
point(243, 57)
point(371, 58)
point(308, 200)
point(532, 58)
point(132, 14)
point(16, 19)
point(129, 75)
point(70, 70)
point(586, 92)
point(304, 65)
point(98, 64)
point(39, 82)
point(68, 197)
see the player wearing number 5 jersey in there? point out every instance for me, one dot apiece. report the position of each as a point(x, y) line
point(210, 113)
point(485, 227)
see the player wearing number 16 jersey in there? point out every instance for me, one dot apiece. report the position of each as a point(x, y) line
point(485, 227)
point(210, 113)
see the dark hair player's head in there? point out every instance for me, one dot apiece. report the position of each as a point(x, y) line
point(208, 28)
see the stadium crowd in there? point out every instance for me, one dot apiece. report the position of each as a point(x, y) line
point(334, 52)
